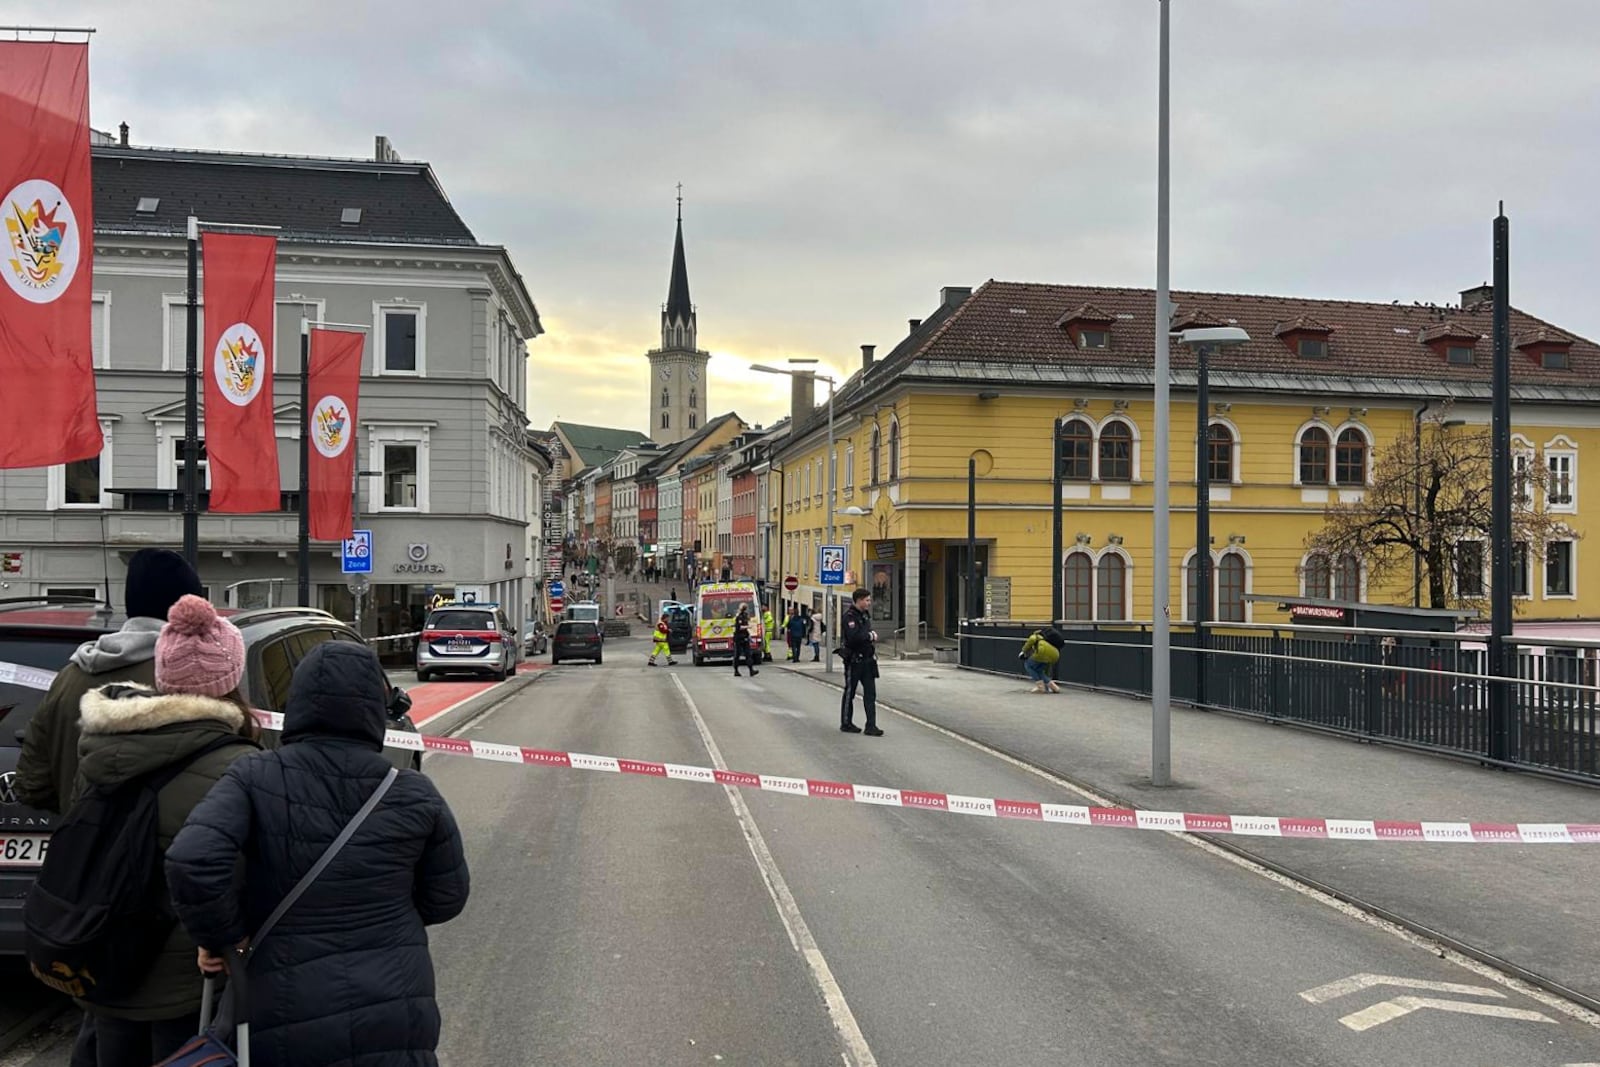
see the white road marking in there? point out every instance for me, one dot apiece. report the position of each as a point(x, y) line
point(857, 1052)
point(1390, 1010)
point(1444, 952)
point(1357, 982)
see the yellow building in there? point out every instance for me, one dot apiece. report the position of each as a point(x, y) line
point(1298, 416)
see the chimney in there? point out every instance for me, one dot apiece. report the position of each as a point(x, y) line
point(953, 296)
point(123, 132)
point(866, 357)
point(1478, 294)
point(914, 324)
point(802, 397)
point(383, 151)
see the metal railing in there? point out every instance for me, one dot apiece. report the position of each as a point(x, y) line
point(1413, 688)
point(895, 638)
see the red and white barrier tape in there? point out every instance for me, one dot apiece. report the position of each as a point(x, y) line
point(1031, 810)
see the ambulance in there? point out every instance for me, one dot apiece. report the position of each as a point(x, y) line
point(717, 605)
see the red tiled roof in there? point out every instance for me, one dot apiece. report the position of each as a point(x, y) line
point(1301, 324)
point(1188, 319)
point(1539, 335)
point(1086, 313)
point(1015, 322)
point(1450, 330)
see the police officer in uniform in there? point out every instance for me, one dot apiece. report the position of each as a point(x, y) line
point(860, 665)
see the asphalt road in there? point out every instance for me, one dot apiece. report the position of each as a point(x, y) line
point(628, 919)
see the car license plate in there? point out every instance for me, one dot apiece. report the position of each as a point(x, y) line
point(24, 850)
point(459, 644)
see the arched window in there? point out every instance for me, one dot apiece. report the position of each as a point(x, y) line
point(1191, 581)
point(875, 455)
point(1078, 583)
point(894, 449)
point(1077, 450)
point(666, 399)
point(1314, 448)
point(694, 420)
point(1116, 452)
point(666, 421)
point(1230, 588)
point(1112, 587)
point(1351, 459)
point(1347, 579)
point(1317, 576)
point(694, 399)
point(1219, 454)
point(819, 485)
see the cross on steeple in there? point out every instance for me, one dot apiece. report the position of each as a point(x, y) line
point(680, 201)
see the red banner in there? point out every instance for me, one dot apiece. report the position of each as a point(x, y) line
point(47, 397)
point(241, 440)
point(335, 381)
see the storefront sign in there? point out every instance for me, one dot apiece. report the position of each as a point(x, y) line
point(886, 549)
point(1316, 613)
point(417, 554)
point(10, 562)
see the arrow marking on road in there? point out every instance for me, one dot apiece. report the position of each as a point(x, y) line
point(1390, 1010)
point(1357, 982)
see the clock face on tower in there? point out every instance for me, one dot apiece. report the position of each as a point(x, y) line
point(666, 374)
point(694, 375)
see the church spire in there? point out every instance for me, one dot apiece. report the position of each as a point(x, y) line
point(679, 308)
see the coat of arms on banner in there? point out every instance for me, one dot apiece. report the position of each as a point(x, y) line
point(238, 363)
point(41, 241)
point(330, 426)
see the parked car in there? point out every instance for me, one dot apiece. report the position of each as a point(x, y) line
point(40, 634)
point(680, 627)
point(467, 639)
point(535, 639)
point(576, 639)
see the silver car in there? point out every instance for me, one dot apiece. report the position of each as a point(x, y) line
point(467, 639)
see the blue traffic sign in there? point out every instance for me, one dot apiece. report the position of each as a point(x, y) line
point(558, 589)
point(358, 553)
point(831, 566)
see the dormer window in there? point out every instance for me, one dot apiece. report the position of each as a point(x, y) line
point(1545, 347)
point(1305, 336)
point(1088, 326)
point(1452, 342)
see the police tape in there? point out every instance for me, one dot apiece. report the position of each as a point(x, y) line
point(993, 807)
point(394, 637)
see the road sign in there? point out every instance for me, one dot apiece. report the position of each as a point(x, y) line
point(791, 583)
point(357, 553)
point(358, 584)
point(558, 589)
point(831, 568)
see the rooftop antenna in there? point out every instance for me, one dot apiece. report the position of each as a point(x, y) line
point(680, 201)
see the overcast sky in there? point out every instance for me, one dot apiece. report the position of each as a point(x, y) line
point(842, 161)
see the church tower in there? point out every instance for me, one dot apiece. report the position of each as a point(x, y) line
point(678, 368)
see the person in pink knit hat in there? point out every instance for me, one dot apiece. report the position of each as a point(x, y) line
point(194, 718)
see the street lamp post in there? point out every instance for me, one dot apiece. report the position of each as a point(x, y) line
point(1161, 556)
point(1202, 341)
point(829, 600)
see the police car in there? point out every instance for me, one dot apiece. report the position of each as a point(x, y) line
point(467, 638)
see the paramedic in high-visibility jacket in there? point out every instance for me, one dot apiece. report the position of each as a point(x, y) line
point(661, 647)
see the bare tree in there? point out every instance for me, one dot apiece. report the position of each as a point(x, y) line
point(1430, 493)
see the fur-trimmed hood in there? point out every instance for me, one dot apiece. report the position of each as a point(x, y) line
point(131, 730)
point(128, 709)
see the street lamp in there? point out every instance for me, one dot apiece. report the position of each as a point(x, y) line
point(1202, 341)
point(827, 600)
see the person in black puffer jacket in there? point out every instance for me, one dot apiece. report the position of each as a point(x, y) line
point(345, 977)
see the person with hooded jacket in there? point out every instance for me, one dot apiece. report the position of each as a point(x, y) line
point(47, 766)
point(133, 731)
point(346, 976)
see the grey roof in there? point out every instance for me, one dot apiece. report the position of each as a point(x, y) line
point(305, 197)
point(673, 456)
